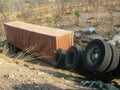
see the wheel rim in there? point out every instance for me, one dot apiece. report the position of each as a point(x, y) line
point(93, 55)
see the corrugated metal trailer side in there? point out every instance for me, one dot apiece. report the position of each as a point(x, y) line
point(37, 39)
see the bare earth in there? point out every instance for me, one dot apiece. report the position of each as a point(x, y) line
point(18, 74)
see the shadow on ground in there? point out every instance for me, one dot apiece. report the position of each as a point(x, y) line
point(40, 62)
point(35, 87)
point(85, 82)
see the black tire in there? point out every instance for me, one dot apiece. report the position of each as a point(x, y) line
point(73, 58)
point(59, 58)
point(114, 60)
point(97, 56)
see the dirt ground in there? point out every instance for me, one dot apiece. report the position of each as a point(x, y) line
point(34, 74)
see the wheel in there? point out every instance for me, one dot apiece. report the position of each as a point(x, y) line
point(73, 58)
point(114, 60)
point(97, 56)
point(59, 58)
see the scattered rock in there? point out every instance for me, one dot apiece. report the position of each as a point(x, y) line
point(40, 72)
point(91, 30)
point(12, 76)
point(106, 39)
point(112, 42)
point(116, 38)
point(28, 82)
point(77, 34)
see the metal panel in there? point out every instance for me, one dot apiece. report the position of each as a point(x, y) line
point(40, 40)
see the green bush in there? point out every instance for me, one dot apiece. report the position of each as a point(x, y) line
point(77, 13)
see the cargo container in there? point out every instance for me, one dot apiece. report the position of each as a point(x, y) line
point(38, 40)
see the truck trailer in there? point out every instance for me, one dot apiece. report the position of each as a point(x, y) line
point(39, 40)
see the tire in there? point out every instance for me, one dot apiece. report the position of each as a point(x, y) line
point(59, 58)
point(114, 60)
point(73, 58)
point(97, 56)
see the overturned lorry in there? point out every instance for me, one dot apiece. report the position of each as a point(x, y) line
point(56, 46)
point(38, 40)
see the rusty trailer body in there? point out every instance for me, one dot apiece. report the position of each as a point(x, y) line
point(38, 40)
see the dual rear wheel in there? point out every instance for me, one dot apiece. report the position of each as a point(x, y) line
point(98, 56)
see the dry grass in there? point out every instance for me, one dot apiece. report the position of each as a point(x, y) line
point(25, 55)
